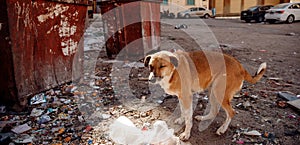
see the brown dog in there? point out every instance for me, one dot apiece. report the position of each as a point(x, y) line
point(182, 73)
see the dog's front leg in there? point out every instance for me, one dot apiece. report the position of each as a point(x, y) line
point(187, 114)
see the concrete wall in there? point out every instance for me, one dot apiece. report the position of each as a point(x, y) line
point(175, 6)
point(271, 2)
point(219, 5)
point(235, 6)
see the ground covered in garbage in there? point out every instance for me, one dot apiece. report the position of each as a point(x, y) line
point(81, 112)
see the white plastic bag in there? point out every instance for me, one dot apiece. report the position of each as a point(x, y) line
point(123, 131)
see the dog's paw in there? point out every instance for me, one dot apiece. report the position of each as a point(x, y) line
point(221, 130)
point(179, 120)
point(198, 118)
point(184, 136)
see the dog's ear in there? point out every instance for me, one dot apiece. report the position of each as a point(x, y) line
point(147, 60)
point(174, 61)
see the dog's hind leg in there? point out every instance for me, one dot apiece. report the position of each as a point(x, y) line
point(229, 115)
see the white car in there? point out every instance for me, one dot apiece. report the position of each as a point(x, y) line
point(195, 12)
point(288, 12)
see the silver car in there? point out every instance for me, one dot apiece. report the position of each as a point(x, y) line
point(288, 12)
point(195, 12)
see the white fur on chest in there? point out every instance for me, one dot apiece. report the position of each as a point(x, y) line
point(164, 83)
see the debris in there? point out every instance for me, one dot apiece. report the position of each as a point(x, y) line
point(2, 109)
point(275, 79)
point(268, 135)
point(21, 128)
point(38, 99)
point(63, 116)
point(281, 104)
point(291, 116)
point(90, 141)
point(252, 133)
point(23, 139)
point(246, 104)
point(5, 137)
point(159, 101)
point(105, 116)
point(43, 119)
point(88, 128)
point(240, 142)
point(262, 50)
point(181, 26)
point(291, 34)
point(295, 103)
point(36, 112)
point(288, 96)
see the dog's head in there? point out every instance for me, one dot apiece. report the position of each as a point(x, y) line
point(161, 64)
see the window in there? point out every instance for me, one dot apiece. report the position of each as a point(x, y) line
point(193, 9)
point(201, 9)
point(165, 2)
point(295, 6)
point(190, 2)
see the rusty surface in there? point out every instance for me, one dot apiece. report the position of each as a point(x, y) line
point(131, 27)
point(44, 38)
point(78, 2)
point(7, 84)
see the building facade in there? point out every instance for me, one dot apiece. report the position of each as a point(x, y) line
point(174, 6)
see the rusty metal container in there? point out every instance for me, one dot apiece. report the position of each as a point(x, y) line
point(130, 26)
point(41, 41)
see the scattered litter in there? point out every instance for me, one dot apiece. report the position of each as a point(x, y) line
point(63, 116)
point(43, 119)
point(21, 128)
point(24, 139)
point(254, 96)
point(246, 104)
point(275, 79)
point(181, 26)
point(90, 141)
point(252, 133)
point(291, 34)
point(288, 96)
point(281, 104)
point(105, 116)
point(38, 99)
point(5, 137)
point(36, 112)
point(240, 142)
point(159, 101)
point(2, 109)
point(295, 103)
point(262, 50)
point(292, 116)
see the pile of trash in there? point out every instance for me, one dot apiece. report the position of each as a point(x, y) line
point(52, 117)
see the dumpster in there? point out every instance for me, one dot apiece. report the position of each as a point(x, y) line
point(41, 41)
point(130, 25)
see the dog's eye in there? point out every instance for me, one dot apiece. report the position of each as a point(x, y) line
point(162, 66)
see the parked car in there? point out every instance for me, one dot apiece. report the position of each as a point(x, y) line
point(256, 13)
point(195, 12)
point(288, 12)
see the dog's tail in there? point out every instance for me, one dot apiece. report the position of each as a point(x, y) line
point(260, 72)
